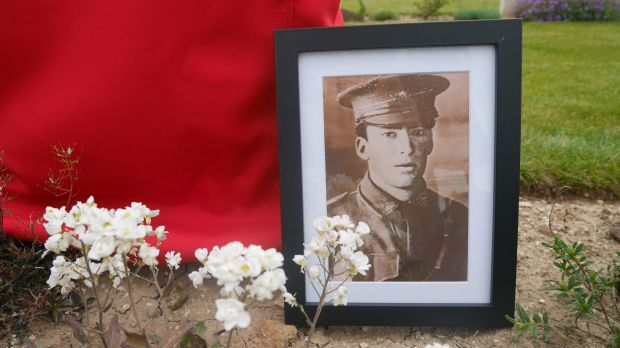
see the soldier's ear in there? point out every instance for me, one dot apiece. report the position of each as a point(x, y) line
point(360, 148)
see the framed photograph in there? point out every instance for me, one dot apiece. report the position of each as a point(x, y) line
point(413, 129)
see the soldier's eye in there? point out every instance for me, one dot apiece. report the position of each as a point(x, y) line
point(417, 132)
point(389, 134)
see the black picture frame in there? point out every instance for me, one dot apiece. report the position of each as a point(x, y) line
point(505, 37)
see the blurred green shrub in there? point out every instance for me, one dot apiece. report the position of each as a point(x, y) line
point(475, 13)
point(362, 12)
point(428, 8)
point(385, 15)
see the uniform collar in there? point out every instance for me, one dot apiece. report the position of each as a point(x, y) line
point(382, 203)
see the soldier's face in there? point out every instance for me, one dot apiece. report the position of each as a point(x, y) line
point(396, 156)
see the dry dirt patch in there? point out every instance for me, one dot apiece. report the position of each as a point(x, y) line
point(575, 220)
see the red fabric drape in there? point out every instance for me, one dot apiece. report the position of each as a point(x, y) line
point(172, 104)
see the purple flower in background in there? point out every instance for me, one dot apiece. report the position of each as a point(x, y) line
point(571, 10)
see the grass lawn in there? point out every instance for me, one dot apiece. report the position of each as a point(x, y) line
point(571, 107)
point(407, 7)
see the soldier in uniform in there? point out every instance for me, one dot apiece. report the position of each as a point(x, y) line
point(416, 234)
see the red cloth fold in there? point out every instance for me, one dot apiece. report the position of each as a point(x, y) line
point(172, 104)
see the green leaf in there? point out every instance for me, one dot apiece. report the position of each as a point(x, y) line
point(200, 329)
point(547, 332)
point(545, 318)
point(537, 318)
point(510, 319)
point(579, 248)
point(522, 313)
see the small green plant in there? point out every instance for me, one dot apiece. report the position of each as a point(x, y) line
point(537, 325)
point(362, 12)
point(428, 8)
point(591, 294)
point(385, 15)
point(475, 13)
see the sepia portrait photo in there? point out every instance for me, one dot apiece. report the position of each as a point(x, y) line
point(397, 158)
point(412, 130)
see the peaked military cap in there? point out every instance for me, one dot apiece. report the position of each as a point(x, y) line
point(395, 100)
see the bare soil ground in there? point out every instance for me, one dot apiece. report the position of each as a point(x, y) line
point(576, 220)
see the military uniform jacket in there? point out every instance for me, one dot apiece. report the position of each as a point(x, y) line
point(421, 240)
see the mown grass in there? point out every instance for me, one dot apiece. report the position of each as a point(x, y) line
point(571, 107)
point(407, 7)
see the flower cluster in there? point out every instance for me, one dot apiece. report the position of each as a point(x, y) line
point(106, 237)
point(567, 10)
point(241, 272)
point(333, 255)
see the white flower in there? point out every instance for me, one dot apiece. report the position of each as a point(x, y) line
point(59, 261)
point(102, 247)
point(359, 263)
point(437, 345)
point(247, 266)
point(314, 272)
point(66, 285)
point(263, 286)
point(350, 239)
point(222, 262)
point(78, 270)
point(60, 275)
point(231, 250)
point(86, 237)
point(301, 261)
point(124, 246)
point(340, 297)
point(201, 255)
point(331, 238)
point(173, 259)
point(53, 227)
point(80, 214)
point(54, 219)
point(323, 225)
point(342, 222)
point(317, 247)
point(148, 254)
point(346, 253)
point(232, 313)
point(196, 278)
point(128, 229)
point(290, 299)
point(115, 265)
point(58, 242)
point(362, 228)
point(161, 232)
point(271, 259)
point(138, 212)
